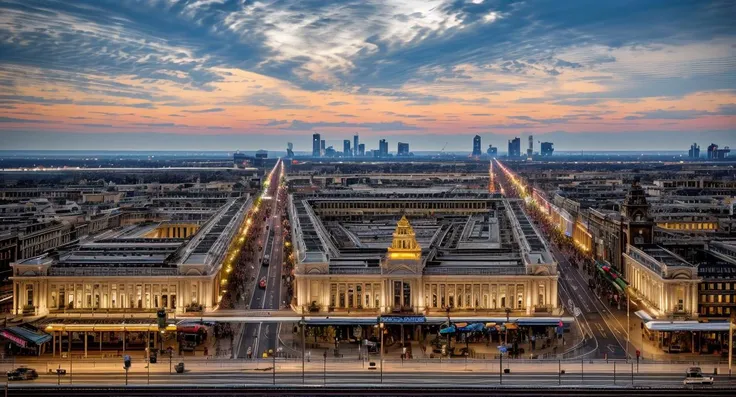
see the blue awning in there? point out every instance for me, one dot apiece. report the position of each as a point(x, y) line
point(672, 326)
point(37, 337)
point(643, 315)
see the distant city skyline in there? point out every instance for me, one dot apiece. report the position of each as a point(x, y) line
point(227, 74)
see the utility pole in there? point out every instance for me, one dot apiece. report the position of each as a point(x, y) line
point(628, 322)
point(304, 351)
point(730, 341)
point(500, 369)
point(380, 329)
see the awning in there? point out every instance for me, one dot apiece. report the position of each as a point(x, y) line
point(673, 326)
point(643, 315)
point(23, 336)
point(108, 327)
point(511, 326)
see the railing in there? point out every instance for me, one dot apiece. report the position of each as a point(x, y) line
point(646, 261)
point(362, 270)
point(107, 271)
point(500, 270)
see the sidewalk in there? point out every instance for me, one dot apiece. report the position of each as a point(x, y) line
point(292, 347)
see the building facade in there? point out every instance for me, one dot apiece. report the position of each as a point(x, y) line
point(486, 263)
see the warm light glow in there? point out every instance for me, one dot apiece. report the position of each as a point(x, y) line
point(404, 255)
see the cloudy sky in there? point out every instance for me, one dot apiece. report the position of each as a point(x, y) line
point(214, 74)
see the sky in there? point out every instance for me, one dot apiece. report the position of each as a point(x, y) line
point(237, 74)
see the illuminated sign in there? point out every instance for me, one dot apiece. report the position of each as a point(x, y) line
point(18, 341)
point(404, 320)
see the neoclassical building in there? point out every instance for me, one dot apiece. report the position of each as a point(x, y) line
point(420, 252)
point(135, 269)
point(667, 282)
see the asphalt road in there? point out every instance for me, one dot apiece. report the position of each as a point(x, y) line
point(333, 376)
point(263, 336)
point(595, 317)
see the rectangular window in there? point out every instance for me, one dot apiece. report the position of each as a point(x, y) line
point(341, 295)
point(442, 296)
point(397, 293)
point(333, 294)
point(351, 295)
point(407, 295)
point(62, 297)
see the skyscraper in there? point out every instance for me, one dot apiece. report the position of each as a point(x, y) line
point(403, 149)
point(476, 146)
point(546, 149)
point(530, 149)
point(694, 151)
point(514, 147)
point(355, 145)
point(361, 149)
point(346, 152)
point(322, 147)
point(289, 150)
point(316, 148)
point(382, 148)
point(712, 150)
point(492, 151)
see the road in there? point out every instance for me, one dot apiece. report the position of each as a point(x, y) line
point(357, 390)
point(605, 334)
point(352, 372)
point(595, 318)
point(262, 337)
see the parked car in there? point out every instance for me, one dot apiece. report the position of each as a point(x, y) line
point(262, 283)
point(694, 376)
point(22, 373)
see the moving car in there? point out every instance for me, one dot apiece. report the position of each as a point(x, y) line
point(262, 283)
point(266, 260)
point(694, 376)
point(22, 373)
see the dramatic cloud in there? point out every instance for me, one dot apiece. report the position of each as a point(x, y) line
point(428, 68)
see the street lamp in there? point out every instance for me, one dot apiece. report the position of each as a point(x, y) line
point(303, 324)
point(628, 322)
point(380, 327)
point(731, 325)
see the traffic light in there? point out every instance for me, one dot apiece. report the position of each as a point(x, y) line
point(161, 317)
point(126, 361)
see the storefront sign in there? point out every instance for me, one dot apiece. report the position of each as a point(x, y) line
point(18, 341)
point(403, 320)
